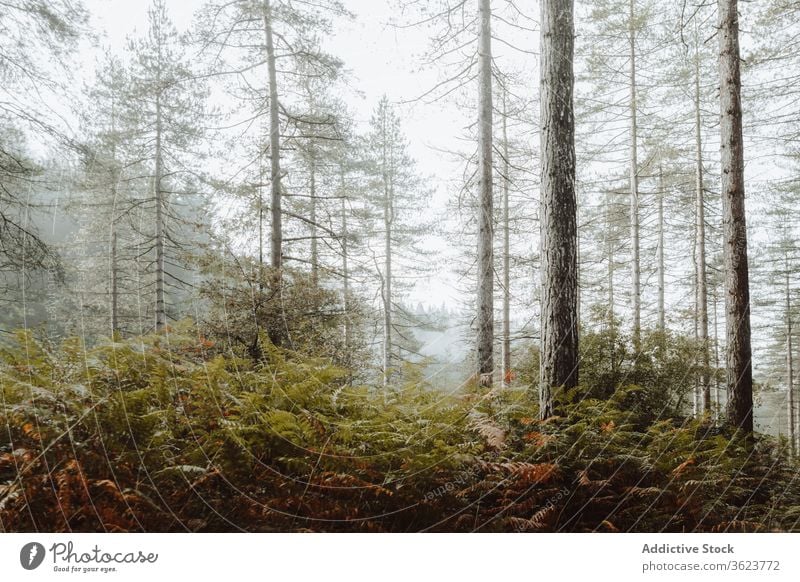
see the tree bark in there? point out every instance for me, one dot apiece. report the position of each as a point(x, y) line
point(506, 354)
point(701, 276)
point(789, 367)
point(662, 323)
point(161, 313)
point(345, 265)
point(611, 264)
point(276, 235)
point(276, 334)
point(717, 395)
point(558, 212)
point(314, 242)
point(114, 282)
point(737, 278)
point(636, 292)
point(388, 222)
point(485, 299)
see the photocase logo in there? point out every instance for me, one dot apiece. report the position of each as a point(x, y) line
point(31, 555)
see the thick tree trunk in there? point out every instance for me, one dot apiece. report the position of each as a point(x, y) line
point(662, 323)
point(506, 354)
point(737, 278)
point(789, 367)
point(161, 312)
point(701, 276)
point(558, 212)
point(485, 299)
point(636, 291)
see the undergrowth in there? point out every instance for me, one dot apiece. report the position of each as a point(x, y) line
point(163, 433)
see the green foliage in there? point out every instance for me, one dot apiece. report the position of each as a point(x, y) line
point(164, 433)
point(663, 371)
point(246, 305)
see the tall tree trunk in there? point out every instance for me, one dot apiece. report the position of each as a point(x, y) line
point(789, 366)
point(737, 278)
point(662, 323)
point(114, 282)
point(161, 312)
point(276, 334)
point(276, 238)
point(636, 291)
point(717, 395)
point(345, 265)
point(611, 265)
point(701, 276)
point(485, 299)
point(261, 232)
point(558, 212)
point(314, 242)
point(388, 221)
point(506, 355)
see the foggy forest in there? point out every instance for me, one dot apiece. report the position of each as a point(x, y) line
point(399, 265)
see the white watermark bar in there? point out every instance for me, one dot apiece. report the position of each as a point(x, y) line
point(398, 557)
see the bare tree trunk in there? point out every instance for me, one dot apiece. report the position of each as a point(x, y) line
point(161, 312)
point(789, 366)
point(559, 235)
point(506, 256)
point(261, 232)
point(388, 221)
point(314, 243)
point(700, 234)
point(737, 277)
point(114, 282)
point(636, 292)
point(611, 265)
point(717, 396)
point(345, 266)
point(485, 299)
point(276, 238)
point(662, 323)
point(276, 333)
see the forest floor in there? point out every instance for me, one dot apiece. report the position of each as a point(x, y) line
point(158, 434)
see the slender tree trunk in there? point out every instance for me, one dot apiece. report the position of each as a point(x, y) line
point(276, 332)
point(717, 395)
point(558, 212)
point(789, 366)
point(345, 265)
point(700, 234)
point(261, 235)
point(485, 305)
point(506, 255)
point(737, 277)
point(388, 221)
point(161, 312)
point(114, 282)
point(611, 265)
point(636, 291)
point(276, 237)
point(314, 242)
point(115, 174)
point(662, 318)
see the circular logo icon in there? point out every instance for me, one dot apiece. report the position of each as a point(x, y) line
point(31, 555)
